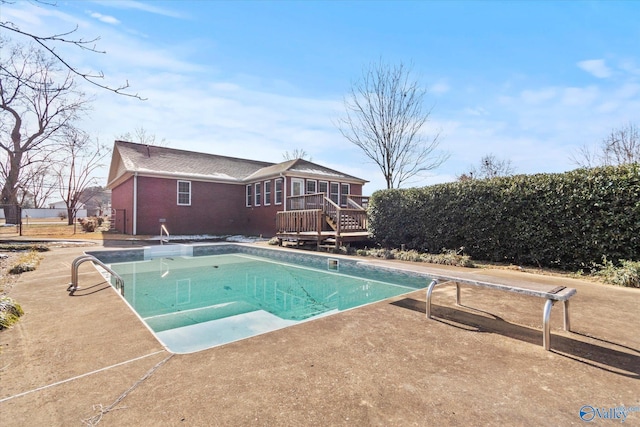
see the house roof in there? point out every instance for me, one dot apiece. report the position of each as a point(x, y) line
point(130, 158)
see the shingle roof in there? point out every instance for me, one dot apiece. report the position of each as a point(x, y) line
point(130, 157)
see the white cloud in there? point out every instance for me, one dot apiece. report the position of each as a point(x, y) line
point(439, 88)
point(580, 96)
point(538, 96)
point(596, 67)
point(104, 18)
point(142, 6)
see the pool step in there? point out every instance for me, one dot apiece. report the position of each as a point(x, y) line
point(188, 339)
point(179, 319)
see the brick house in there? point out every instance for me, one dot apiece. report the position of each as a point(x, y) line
point(198, 193)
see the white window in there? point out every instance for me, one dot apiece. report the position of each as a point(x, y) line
point(278, 191)
point(267, 193)
point(323, 187)
point(258, 194)
point(297, 189)
point(344, 192)
point(249, 193)
point(184, 193)
point(312, 186)
point(297, 186)
point(334, 194)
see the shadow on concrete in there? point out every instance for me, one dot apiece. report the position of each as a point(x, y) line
point(83, 291)
point(620, 361)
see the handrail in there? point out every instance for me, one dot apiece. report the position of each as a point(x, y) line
point(73, 286)
point(163, 228)
point(358, 202)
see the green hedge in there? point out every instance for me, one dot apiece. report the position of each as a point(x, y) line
point(570, 220)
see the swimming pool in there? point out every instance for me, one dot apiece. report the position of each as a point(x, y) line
point(197, 297)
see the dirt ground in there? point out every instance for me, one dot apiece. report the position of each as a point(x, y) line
point(87, 360)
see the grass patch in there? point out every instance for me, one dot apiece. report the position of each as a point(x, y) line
point(27, 262)
point(23, 247)
point(10, 312)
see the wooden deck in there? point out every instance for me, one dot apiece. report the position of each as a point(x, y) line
point(316, 218)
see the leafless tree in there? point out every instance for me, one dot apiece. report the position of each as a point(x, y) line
point(82, 157)
point(490, 167)
point(38, 185)
point(142, 136)
point(37, 100)
point(49, 42)
point(621, 146)
point(385, 117)
point(297, 153)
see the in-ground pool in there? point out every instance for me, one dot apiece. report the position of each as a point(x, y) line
point(223, 293)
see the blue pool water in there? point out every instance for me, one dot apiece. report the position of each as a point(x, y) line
point(197, 302)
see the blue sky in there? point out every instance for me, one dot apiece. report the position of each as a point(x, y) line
point(529, 82)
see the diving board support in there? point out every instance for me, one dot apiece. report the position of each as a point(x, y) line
point(560, 293)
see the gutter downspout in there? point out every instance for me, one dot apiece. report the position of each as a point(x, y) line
point(135, 203)
point(284, 190)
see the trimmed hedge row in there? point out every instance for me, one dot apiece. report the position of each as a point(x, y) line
point(569, 220)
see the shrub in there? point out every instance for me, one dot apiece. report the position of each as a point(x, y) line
point(568, 220)
point(626, 274)
point(447, 257)
point(89, 225)
point(10, 311)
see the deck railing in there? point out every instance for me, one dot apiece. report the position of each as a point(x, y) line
point(307, 213)
point(358, 201)
point(299, 221)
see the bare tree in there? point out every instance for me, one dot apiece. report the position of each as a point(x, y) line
point(81, 157)
point(37, 100)
point(142, 136)
point(621, 146)
point(490, 167)
point(385, 117)
point(38, 184)
point(49, 43)
point(297, 153)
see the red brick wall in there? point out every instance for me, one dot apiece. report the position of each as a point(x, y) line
point(216, 208)
point(122, 202)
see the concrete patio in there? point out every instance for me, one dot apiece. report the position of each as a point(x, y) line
point(84, 359)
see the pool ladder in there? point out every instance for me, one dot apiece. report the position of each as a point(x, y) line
point(73, 286)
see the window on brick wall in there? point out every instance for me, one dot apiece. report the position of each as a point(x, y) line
point(184, 193)
point(334, 194)
point(312, 186)
point(344, 192)
point(267, 193)
point(323, 187)
point(249, 195)
point(258, 194)
point(279, 186)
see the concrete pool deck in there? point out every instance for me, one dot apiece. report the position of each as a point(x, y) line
point(86, 359)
